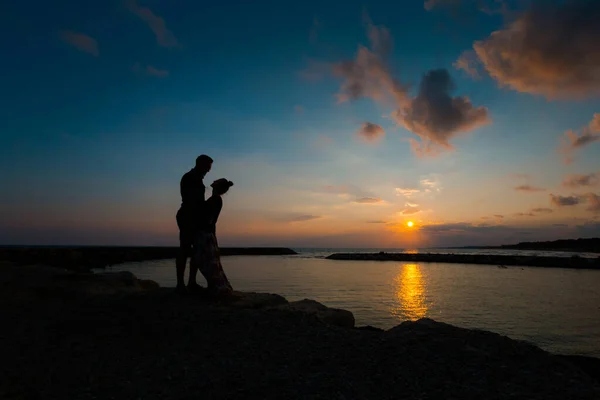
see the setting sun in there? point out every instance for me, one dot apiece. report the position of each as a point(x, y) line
point(410, 224)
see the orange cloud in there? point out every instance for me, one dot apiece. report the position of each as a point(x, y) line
point(542, 210)
point(550, 50)
point(571, 142)
point(529, 188)
point(164, 37)
point(371, 132)
point(81, 42)
point(368, 200)
point(577, 180)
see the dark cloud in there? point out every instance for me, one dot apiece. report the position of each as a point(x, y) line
point(529, 188)
point(529, 214)
point(433, 115)
point(164, 37)
point(377, 222)
point(542, 210)
point(371, 132)
point(149, 70)
point(550, 49)
point(593, 202)
point(81, 42)
point(499, 216)
point(562, 201)
point(486, 6)
point(368, 200)
point(572, 142)
point(437, 117)
point(577, 180)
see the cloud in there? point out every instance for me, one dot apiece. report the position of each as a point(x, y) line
point(81, 42)
point(550, 50)
point(486, 6)
point(164, 37)
point(437, 117)
point(520, 214)
point(529, 188)
point(577, 180)
point(407, 192)
point(322, 141)
point(593, 201)
point(563, 201)
point(520, 176)
point(572, 142)
point(150, 71)
point(410, 211)
point(377, 222)
point(351, 191)
point(542, 210)
point(431, 183)
point(368, 200)
point(300, 218)
point(499, 216)
point(371, 132)
point(433, 115)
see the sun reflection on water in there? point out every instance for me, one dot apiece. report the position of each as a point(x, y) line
point(410, 293)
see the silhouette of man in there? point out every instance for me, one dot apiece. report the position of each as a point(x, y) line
point(189, 216)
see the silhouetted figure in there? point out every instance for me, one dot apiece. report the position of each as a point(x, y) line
point(206, 247)
point(189, 217)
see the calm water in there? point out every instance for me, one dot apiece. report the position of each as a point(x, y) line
point(557, 309)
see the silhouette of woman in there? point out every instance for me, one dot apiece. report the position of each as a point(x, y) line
point(206, 247)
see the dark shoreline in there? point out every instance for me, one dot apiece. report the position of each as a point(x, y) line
point(111, 335)
point(574, 262)
point(88, 257)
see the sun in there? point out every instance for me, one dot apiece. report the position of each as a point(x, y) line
point(410, 224)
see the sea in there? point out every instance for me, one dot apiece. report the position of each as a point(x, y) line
point(557, 309)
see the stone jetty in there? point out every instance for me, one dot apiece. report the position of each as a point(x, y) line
point(574, 262)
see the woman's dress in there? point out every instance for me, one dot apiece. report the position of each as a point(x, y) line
point(206, 250)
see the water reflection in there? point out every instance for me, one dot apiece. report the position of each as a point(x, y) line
point(410, 293)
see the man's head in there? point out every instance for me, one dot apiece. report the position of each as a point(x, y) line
point(203, 164)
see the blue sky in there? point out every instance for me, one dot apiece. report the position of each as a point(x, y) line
point(105, 104)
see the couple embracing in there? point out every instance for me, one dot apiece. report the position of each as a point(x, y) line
point(197, 220)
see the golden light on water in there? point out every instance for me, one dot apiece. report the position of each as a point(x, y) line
point(410, 293)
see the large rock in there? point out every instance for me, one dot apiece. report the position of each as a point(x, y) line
point(253, 300)
point(333, 316)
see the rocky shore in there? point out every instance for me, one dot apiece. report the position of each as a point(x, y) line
point(70, 335)
point(86, 258)
point(574, 262)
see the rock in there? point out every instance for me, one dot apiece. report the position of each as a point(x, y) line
point(589, 365)
point(254, 300)
point(333, 316)
point(369, 328)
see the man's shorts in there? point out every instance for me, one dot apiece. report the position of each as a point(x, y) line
point(187, 231)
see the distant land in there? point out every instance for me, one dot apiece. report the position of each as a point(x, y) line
point(575, 245)
point(87, 257)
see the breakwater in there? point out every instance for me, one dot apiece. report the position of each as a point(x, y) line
point(85, 258)
point(575, 262)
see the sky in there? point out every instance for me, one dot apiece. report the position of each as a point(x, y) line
point(338, 122)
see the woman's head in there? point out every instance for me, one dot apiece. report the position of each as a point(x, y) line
point(221, 186)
